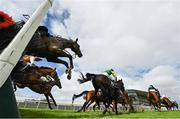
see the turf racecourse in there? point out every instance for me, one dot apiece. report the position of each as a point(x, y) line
point(44, 113)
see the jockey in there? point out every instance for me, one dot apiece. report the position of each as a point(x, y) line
point(163, 96)
point(48, 78)
point(5, 20)
point(43, 31)
point(152, 88)
point(29, 59)
point(110, 73)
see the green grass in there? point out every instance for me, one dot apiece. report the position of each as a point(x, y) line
point(45, 113)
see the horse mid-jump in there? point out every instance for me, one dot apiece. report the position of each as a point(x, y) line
point(31, 79)
point(44, 45)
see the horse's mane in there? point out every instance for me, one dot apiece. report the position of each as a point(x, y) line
point(60, 38)
point(46, 67)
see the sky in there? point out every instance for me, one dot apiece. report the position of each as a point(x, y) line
point(140, 39)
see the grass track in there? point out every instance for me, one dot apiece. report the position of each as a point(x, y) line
point(44, 113)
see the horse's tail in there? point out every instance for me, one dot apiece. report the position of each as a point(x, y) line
point(89, 77)
point(177, 106)
point(76, 96)
point(81, 81)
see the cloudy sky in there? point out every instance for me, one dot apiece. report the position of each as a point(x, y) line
point(139, 39)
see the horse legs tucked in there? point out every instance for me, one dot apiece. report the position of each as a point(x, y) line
point(47, 98)
point(52, 99)
point(56, 60)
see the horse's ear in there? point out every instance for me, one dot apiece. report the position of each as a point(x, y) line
point(76, 40)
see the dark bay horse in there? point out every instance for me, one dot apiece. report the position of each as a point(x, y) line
point(53, 47)
point(154, 99)
point(167, 103)
point(44, 88)
point(103, 83)
point(43, 45)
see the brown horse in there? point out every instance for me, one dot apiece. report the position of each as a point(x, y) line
point(154, 99)
point(88, 97)
point(103, 83)
point(44, 88)
point(126, 102)
point(167, 103)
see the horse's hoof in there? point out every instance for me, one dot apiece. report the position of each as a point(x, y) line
point(66, 71)
point(68, 77)
point(104, 112)
point(79, 111)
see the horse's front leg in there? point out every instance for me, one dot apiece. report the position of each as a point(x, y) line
point(47, 98)
point(64, 54)
point(115, 102)
point(53, 99)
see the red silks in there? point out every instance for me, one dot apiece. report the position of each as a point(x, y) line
point(7, 20)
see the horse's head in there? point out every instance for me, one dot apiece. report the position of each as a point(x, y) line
point(76, 48)
point(55, 76)
point(120, 85)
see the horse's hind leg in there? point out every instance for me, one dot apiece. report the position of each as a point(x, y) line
point(89, 104)
point(83, 107)
point(106, 106)
point(52, 99)
point(47, 98)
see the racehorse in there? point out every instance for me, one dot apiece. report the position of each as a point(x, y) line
point(45, 46)
point(167, 103)
point(154, 99)
point(88, 97)
point(44, 88)
point(103, 83)
point(126, 102)
point(53, 47)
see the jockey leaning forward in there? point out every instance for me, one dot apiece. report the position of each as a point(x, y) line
point(112, 75)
